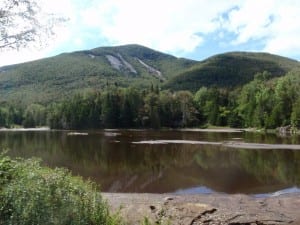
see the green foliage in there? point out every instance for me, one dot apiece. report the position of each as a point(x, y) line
point(230, 70)
point(10, 115)
point(111, 109)
point(178, 109)
point(261, 103)
point(125, 108)
point(35, 115)
point(32, 194)
point(256, 103)
point(47, 80)
point(63, 76)
point(264, 100)
point(213, 105)
point(151, 116)
point(6, 169)
point(131, 104)
point(269, 104)
point(187, 109)
point(295, 117)
point(3, 117)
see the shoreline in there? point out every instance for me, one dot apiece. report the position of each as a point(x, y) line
point(193, 129)
point(26, 129)
point(206, 209)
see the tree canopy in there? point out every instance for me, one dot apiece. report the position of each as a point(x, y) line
point(22, 22)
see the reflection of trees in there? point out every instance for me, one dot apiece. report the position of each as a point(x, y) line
point(115, 158)
point(282, 165)
point(96, 150)
point(265, 165)
point(213, 157)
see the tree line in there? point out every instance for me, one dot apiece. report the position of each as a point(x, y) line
point(262, 103)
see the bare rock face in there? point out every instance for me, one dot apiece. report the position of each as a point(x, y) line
point(126, 64)
point(206, 209)
point(152, 70)
point(114, 62)
point(119, 63)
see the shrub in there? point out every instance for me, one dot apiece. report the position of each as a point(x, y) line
point(34, 195)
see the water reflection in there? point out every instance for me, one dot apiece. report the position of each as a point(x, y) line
point(112, 159)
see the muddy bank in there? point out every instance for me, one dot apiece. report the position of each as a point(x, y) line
point(206, 209)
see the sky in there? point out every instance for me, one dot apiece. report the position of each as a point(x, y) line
point(194, 29)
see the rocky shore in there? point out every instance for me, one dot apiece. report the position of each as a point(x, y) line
point(206, 209)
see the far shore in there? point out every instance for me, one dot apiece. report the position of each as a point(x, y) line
point(219, 129)
point(192, 129)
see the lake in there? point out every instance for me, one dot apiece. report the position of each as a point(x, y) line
point(167, 161)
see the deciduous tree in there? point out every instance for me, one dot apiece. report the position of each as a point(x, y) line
point(22, 23)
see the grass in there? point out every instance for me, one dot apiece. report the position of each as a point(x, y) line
point(32, 194)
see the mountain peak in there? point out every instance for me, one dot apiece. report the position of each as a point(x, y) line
point(50, 78)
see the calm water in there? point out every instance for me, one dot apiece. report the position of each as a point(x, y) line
point(133, 160)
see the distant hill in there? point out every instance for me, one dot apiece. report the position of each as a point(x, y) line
point(55, 78)
point(51, 79)
point(230, 70)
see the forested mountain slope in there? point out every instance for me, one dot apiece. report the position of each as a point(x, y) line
point(52, 79)
point(57, 77)
point(230, 70)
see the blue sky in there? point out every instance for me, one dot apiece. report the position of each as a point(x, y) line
point(194, 29)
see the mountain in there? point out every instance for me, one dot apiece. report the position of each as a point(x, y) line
point(58, 77)
point(230, 70)
point(54, 78)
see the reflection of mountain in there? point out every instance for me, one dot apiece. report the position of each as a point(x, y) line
point(118, 165)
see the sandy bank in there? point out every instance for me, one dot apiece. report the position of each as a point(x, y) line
point(206, 209)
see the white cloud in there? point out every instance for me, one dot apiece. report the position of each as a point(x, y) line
point(249, 20)
point(172, 26)
point(285, 30)
point(273, 21)
point(177, 27)
point(182, 26)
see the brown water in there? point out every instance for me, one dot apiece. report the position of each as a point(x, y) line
point(166, 161)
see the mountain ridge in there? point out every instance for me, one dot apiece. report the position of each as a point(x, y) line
point(231, 69)
point(54, 78)
point(65, 74)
